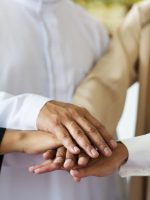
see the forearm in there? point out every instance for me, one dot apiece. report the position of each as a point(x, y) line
point(29, 142)
point(11, 142)
point(104, 90)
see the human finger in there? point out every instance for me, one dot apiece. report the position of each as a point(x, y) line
point(83, 159)
point(94, 135)
point(80, 137)
point(50, 154)
point(46, 166)
point(102, 130)
point(60, 156)
point(70, 161)
point(63, 135)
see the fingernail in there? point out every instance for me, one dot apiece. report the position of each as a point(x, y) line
point(77, 180)
point(37, 171)
point(74, 172)
point(83, 161)
point(107, 151)
point(68, 163)
point(31, 169)
point(45, 155)
point(76, 150)
point(113, 143)
point(94, 153)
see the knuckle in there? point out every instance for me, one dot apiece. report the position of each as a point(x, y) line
point(102, 127)
point(92, 129)
point(76, 114)
point(84, 110)
point(64, 113)
point(65, 118)
point(79, 134)
point(102, 145)
point(72, 124)
point(65, 136)
point(107, 137)
point(70, 156)
point(81, 110)
point(98, 124)
point(61, 154)
point(57, 123)
point(71, 108)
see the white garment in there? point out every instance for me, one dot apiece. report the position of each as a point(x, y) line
point(138, 163)
point(46, 49)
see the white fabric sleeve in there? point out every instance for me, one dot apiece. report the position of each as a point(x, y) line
point(138, 163)
point(21, 111)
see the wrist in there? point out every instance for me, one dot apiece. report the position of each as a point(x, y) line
point(122, 153)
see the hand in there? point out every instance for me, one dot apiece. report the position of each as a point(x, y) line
point(30, 142)
point(72, 124)
point(62, 159)
point(103, 166)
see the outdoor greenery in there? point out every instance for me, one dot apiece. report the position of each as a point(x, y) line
point(109, 12)
point(108, 2)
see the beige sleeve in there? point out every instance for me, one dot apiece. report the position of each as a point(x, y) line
point(103, 91)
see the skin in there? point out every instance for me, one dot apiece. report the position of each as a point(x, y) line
point(76, 128)
point(36, 142)
point(62, 158)
point(82, 166)
point(78, 133)
point(29, 142)
point(103, 166)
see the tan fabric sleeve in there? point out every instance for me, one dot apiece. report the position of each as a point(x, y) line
point(103, 91)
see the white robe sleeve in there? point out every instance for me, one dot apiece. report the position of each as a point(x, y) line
point(21, 111)
point(138, 163)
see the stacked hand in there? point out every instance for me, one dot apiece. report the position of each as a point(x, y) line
point(76, 129)
point(82, 165)
point(82, 136)
point(86, 147)
point(71, 139)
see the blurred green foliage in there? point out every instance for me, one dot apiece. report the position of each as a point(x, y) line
point(109, 12)
point(108, 2)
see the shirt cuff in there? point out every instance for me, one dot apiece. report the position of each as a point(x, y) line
point(2, 132)
point(138, 163)
point(31, 109)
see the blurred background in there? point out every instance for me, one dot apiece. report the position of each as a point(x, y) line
point(111, 13)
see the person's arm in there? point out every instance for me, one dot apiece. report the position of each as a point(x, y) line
point(104, 90)
point(138, 163)
point(29, 142)
point(20, 112)
point(130, 158)
point(66, 121)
